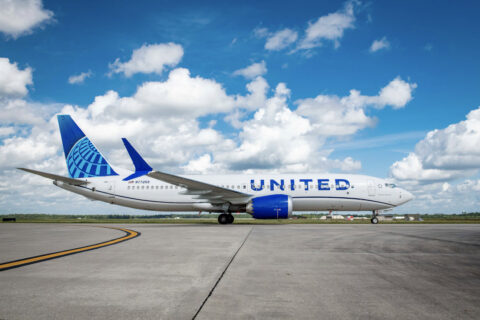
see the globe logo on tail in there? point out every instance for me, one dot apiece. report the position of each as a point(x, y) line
point(85, 161)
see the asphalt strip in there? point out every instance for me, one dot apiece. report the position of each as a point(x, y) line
point(129, 234)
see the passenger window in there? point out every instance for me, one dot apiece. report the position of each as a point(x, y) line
point(143, 187)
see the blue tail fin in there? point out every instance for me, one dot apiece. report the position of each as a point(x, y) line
point(83, 159)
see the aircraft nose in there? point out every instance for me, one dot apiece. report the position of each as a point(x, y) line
point(407, 196)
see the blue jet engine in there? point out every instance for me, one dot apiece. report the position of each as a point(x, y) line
point(275, 206)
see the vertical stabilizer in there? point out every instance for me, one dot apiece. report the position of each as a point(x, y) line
point(83, 159)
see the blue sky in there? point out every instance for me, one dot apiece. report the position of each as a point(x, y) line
point(426, 61)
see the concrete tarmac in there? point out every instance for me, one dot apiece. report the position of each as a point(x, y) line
point(277, 272)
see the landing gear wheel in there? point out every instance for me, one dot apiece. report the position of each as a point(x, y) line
point(374, 220)
point(223, 218)
point(230, 218)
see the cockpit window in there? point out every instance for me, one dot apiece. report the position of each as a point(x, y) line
point(390, 185)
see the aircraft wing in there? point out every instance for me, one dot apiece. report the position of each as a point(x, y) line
point(202, 190)
point(52, 176)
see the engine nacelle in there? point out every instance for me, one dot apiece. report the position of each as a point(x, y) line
point(275, 206)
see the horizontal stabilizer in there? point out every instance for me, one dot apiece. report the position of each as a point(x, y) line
point(52, 176)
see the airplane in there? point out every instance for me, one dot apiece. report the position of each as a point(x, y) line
point(263, 196)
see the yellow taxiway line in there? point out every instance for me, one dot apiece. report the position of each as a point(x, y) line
point(129, 234)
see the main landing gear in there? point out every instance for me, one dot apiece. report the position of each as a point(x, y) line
point(374, 219)
point(225, 218)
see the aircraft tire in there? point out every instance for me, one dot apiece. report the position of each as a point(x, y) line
point(223, 218)
point(230, 218)
point(374, 220)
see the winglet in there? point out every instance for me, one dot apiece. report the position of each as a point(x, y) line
point(141, 166)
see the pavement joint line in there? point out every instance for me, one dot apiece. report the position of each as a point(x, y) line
point(129, 234)
point(434, 239)
point(221, 275)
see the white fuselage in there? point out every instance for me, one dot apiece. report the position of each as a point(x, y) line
point(309, 192)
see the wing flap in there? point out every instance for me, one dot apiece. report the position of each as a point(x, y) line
point(52, 176)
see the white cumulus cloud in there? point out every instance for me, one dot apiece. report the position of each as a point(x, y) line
point(180, 94)
point(256, 97)
point(274, 137)
point(80, 78)
point(20, 111)
point(379, 45)
point(396, 94)
point(444, 154)
point(329, 27)
point(20, 17)
point(6, 131)
point(279, 139)
point(13, 81)
point(281, 39)
point(252, 71)
point(336, 116)
point(202, 164)
point(149, 58)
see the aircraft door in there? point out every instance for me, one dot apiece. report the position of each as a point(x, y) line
point(371, 188)
point(109, 187)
